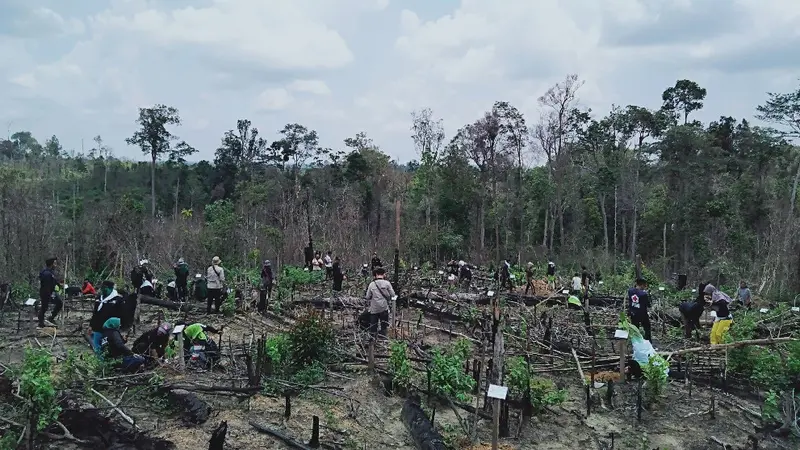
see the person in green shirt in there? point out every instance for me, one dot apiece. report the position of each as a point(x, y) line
point(181, 279)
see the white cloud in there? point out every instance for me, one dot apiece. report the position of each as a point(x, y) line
point(363, 65)
point(271, 33)
point(317, 87)
point(274, 99)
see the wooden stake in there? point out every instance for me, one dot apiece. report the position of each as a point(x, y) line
point(314, 443)
point(181, 362)
point(371, 356)
point(623, 353)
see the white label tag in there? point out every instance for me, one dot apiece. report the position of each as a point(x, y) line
point(661, 288)
point(178, 329)
point(796, 309)
point(30, 302)
point(621, 334)
point(763, 310)
point(565, 291)
point(441, 273)
point(499, 392)
point(490, 294)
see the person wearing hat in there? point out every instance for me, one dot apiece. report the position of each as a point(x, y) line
point(379, 295)
point(107, 305)
point(267, 280)
point(365, 270)
point(720, 302)
point(114, 347)
point(464, 273)
point(215, 279)
point(181, 270)
point(529, 279)
point(551, 274)
point(153, 343)
point(138, 275)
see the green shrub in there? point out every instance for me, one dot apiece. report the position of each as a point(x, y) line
point(447, 371)
point(399, 364)
point(542, 392)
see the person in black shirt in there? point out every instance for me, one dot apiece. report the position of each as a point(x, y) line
point(586, 280)
point(376, 263)
point(154, 342)
point(47, 293)
point(464, 273)
point(114, 347)
point(267, 280)
point(551, 274)
point(638, 304)
point(337, 274)
point(107, 305)
point(691, 312)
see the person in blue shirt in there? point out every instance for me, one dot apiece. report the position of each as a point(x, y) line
point(638, 304)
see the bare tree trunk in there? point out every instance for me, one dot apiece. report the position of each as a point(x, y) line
point(177, 195)
point(605, 222)
point(634, 230)
point(616, 248)
point(483, 224)
point(664, 250)
point(546, 223)
point(153, 186)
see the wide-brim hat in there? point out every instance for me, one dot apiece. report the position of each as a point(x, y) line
point(216, 260)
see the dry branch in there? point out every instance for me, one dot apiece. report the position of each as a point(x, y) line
point(728, 346)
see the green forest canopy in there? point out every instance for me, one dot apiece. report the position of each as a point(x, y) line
point(713, 200)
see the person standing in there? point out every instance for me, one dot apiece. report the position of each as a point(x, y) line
point(328, 265)
point(691, 312)
point(47, 293)
point(337, 275)
point(638, 304)
point(267, 280)
point(379, 293)
point(181, 279)
point(529, 279)
point(576, 285)
point(375, 263)
point(551, 274)
point(215, 276)
point(744, 295)
point(316, 263)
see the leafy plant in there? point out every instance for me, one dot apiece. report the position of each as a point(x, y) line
point(447, 371)
point(542, 392)
point(656, 377)
point(310, 340)
point(229, 305)
point(399, 364)
point(36, 387)
point(770, 410)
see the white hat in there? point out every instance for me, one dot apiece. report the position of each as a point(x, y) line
point(143, 262)
point(198, 276)
point(461, 263)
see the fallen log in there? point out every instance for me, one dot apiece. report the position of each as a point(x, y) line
point(174, 306)
point(728, 346)
point(278, 435)
point(217, 441)
point(423, 434)
point(87, 423)
point(201, 388)
point(195, 410)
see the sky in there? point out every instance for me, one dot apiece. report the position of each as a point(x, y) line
point(77, 69)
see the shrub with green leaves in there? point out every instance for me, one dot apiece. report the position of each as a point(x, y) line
point(399, 364)
point(522, 382)
point(447, 371)
point(656, 376)
point(36, 386)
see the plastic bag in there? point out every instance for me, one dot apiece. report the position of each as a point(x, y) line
point(642, 350)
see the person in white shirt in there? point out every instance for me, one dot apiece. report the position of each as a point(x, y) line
point(577, 285)
point(328, 265)
point(215, 278)
point(316, 263)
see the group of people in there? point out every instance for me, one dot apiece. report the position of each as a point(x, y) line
point(208, 286)
point(709, 297)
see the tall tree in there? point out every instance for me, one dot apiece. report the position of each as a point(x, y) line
point(683, 98)
point(155, 140)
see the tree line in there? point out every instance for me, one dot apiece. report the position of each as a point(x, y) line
point(713, 200)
